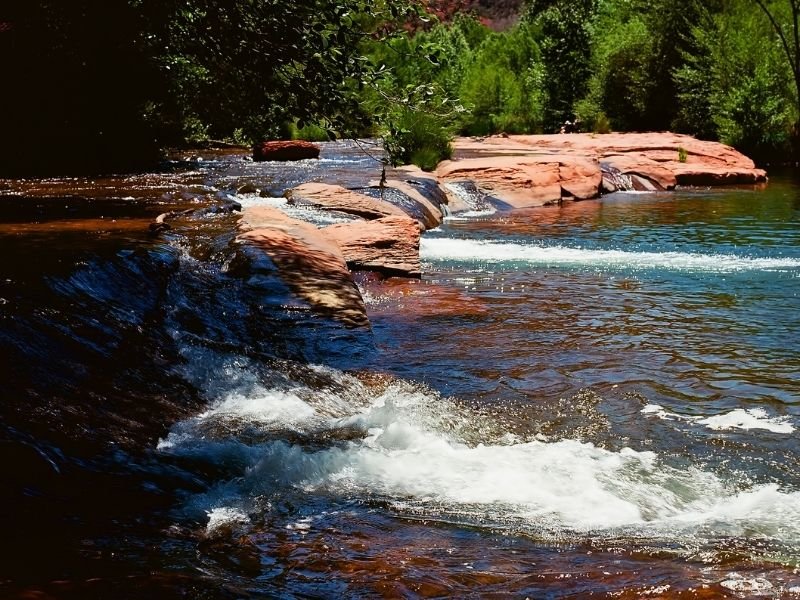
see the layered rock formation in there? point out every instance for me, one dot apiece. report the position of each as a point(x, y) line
point(575, 163)
point(338, 199)
point(389, 245)
point(516, 172)
point(315, 263)
point(527, 181)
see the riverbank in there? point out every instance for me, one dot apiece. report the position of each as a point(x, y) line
point(381, 221)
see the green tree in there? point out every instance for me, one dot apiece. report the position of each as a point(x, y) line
point(742, 79)
point(255, 65)
point(620, 87)
point(670, 23)
point(565, 28)
point(502, 88)
point(414, 95)
point(695, 83)
point(108, 82)
point(784, 17)
point(637, 47)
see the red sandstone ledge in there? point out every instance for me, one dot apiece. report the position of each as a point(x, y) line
point(534, 170)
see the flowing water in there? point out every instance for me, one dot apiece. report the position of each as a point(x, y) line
point(600, 399)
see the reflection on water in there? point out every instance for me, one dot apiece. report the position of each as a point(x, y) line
point(601, 398)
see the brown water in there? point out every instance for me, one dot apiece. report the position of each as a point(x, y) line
point(600, 399)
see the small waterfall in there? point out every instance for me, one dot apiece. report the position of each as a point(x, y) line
point(468, 201)
point(615, 180)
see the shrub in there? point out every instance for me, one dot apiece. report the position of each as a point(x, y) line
point(601, 124)
point(418, 138)
point(310, 133)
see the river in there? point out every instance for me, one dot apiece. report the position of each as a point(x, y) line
point(601, 398)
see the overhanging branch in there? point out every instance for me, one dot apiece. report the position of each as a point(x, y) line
point(792, 56)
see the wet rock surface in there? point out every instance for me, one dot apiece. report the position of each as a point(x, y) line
point(285, 151)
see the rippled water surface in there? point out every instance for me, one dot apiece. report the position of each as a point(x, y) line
point(596, 399)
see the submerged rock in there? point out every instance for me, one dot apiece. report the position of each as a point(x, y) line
point(285, 150)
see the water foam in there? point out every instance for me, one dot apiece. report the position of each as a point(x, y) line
point(470, 214)
point(223, 517)
point(413, 450)
point(310, 214)
point(757, 586)
point(471, 204)
point(464, 250)
point(744, 419)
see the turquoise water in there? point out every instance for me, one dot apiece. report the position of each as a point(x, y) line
point(690, 297)
point(599, 398)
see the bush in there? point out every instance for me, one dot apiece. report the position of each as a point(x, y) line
point(418, 138)
point(601, 124)
point(310, 133)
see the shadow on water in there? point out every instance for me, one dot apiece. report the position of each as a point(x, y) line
point(99, 319)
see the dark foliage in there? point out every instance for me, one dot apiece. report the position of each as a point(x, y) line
point(101, 85)
point(76, 84)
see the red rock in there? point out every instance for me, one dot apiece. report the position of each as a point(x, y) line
point(530, 180)
point(285, 150)
point(337, 198)
point(653, 156)
point(707, 176)
point(389, 245)
point(309, 262)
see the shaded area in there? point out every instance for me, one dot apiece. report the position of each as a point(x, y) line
point(101, 324)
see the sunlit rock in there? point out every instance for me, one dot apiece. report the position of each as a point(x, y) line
point(527, 181)
point(339, 199)
point(310, 263)
point(285, 150)
point(389, 245)
point(653, 161)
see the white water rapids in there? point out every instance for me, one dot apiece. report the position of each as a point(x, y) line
point(422, 454)
point(461, 250)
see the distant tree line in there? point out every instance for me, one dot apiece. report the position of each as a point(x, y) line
point(718, 69)
point(103, 85)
